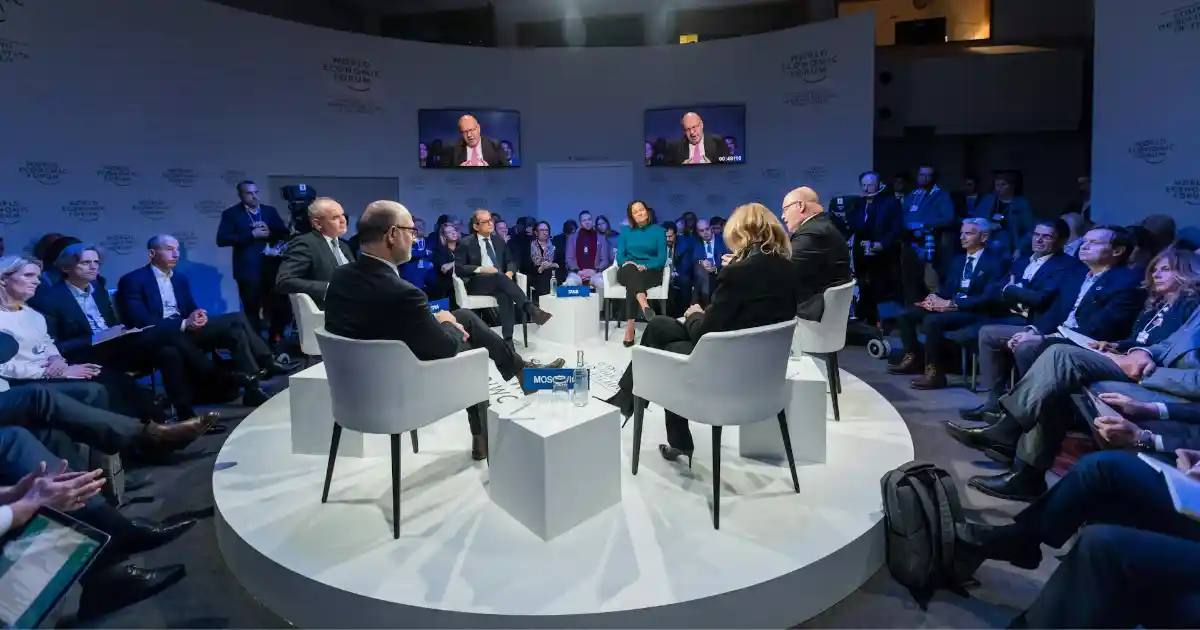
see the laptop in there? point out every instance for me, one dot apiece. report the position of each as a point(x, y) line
point(40, 562)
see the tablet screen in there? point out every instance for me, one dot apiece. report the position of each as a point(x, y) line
point(39, 564)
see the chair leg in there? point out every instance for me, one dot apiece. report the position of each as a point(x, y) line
point(606, 313)
point(787, 447)
point(836, 371)
point(395, 485)
point(639, 411)
point(333, 449)
point(974, 372)
point(716, 447)
point(525, 331)
point(413, 436)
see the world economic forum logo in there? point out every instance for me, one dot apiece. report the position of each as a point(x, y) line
point(153, 209)
point(1186, 190)
point(816, 173)
point(117, 174)
point(233, 177)
point(188, 239)
point(734, 177)
point(772, 174)
point(457, 182)
point(695, 177)
point(417, 182)
point(119, 244)
point(354, 73)
point(86, 210)
point(1152, 150)
point(438, 205)
point(210, 208)
point(48, 173)
point(1181, 19)
point(812, 97)
point(181, 177)
point(12, 211)
point(716, 200)
point(476, 203)
point(658, 177)
point(677, 200)
point(810, 66)
point(512, 204)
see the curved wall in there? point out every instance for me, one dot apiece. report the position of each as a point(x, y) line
point(130, 117)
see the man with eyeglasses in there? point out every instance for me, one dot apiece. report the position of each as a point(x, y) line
point(483, 263)
point(368, 299)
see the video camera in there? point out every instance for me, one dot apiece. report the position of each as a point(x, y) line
point(299, 198)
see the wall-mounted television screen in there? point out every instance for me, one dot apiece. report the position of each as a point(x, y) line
point(453, 138)
point(703, 134)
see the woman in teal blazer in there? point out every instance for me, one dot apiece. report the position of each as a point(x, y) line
point(641, 256)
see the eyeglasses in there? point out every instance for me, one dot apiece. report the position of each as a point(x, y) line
point(411, 230)
point(483, 222)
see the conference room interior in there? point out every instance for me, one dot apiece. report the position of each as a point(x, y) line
point(1018, 232)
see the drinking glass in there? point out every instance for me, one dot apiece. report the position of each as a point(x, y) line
point(559, 389)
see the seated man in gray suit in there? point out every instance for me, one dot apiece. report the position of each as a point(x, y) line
point(1037, 414)
point(311, 258)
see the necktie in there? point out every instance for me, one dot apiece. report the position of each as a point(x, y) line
point(487, 242)
point(337, 252)
point(476, 159)
point(696, 154)
point(968, 268)
point(708, 250)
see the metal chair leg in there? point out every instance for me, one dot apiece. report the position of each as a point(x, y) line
point(333, 449)
point(413, 436)
point(787, 448)
point(395, 485)
point(606, 314)
point(639, 412)
point(716, 447)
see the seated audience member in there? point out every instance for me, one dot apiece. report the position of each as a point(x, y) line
point(369, 300)
point(751, 291)
point(559, 241)
point(876, 224)
point(482, 261)
point(1155, 233)
point(707, 253)
point(606, 231)
point(962, 300)
point(641, 257)
point(501, 228)
point(1028, 292)
point(1011, 212)
point(520, 244)
point(819, 252)
point(1101, 304)
point(679, 294)
point(1136, 562)
point(155, 295)
point(1079, 227)
point(588, 254)
point(81, 319)
point(442, 258)
point(310, 258)
point(542, 252)
point(717, 225)
point(1036, 414)
point(1173, 286)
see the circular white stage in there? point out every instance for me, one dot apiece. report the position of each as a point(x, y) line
point(654, 560)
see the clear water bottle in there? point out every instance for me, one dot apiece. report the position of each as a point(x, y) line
point(553, 283)
point(582, 387)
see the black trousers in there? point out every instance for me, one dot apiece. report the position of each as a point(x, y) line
point(662, 333)
point(540, 282)
point(231, 332)
point(500, 352)
point(508, 295)
point(637, 281)
point(702, 286)
point(258, 296)
point(935, 326)
point(878, 282)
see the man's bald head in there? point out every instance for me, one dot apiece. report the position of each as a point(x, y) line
point(799, 205)
point(693, 127)
point(385, 231)
point(327, 217)
point(469, 128)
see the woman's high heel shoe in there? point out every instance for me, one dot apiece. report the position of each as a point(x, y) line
point(671, 454)
point(628, 342)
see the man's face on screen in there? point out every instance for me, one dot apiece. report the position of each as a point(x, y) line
point(469, 128)
point(693, 128)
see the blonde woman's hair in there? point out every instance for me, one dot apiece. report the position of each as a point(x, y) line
point(10, 265)
point(753, 224)
point(1186, 266)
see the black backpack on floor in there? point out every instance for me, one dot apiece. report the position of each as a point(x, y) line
point(921, 508)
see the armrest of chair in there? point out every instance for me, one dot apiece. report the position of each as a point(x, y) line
point(610, 276)
point(468, 372)
point(660, 376)
point(522, 281)
point(460, 291)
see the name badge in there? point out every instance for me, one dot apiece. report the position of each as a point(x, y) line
point(1143, 337)
point(841, 201)
point(964, 284)
point(543, 378)
point(437, 306)
point(960, 295)
point(997, 217)
point(585, 249)
point(914, 208)
point(573, 291)
point(424, 264)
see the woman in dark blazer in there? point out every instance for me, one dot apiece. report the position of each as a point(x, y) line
point(756, 287)
point(1173, 284)
point(442, 257)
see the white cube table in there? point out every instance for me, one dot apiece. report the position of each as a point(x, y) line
point(553, 466)
point(805, 416)
point(312, 420)
point(575, 319)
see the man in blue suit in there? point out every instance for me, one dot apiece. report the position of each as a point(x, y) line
point(254, 231)
point(1028, 292)
point(962, 300)
point(155, 295)
point(707, 251)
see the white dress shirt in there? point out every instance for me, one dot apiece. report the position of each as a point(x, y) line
point(1088, 282)
point(1034, 265)
point(394, 266)
point(483, 252)
point(336, 246)
point(87, 302)
point(166, 292)
point(1072, 248)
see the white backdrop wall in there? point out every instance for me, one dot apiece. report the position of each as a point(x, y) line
point(1146, 132)
point(130, 117)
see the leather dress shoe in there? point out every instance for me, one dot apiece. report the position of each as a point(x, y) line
point(276, 367)
point(254, 396)
point(910, 364)
point(982, 437)
point(538, 316)
point(976, 414)
point(142, 535)
point(1001, 454)
point(990, 542)
point(1025, 484)
point(555, 364)
point(479, 447)
point(110, 589)
point(169, 437)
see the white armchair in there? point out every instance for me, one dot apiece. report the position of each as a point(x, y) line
point(730, 378)
point(308, 319)
point(614, 291)
point(476, 302)
point(380, 387)
point(825, 338)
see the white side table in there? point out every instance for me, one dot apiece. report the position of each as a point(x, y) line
point(805, 415)
point(553, 466)
point(312, 420)
point(575, 319)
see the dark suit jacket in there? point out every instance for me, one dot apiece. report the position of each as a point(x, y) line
point(883, 224)
point(65, 320)
point(1108, 310)
point(714, 149)
point(1039, 294)
point(748, 293)
point(367, 300)
point(492, 154)
point(307, 266)
point(681, 260)
point(695, 247)
point(140, 303)
point(1173, 320)
point(467, 257)
point(821, 260)
point(236, 230)
point(990, 266)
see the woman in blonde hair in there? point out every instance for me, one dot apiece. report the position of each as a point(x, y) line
point(756, 287)
point(1173, 290)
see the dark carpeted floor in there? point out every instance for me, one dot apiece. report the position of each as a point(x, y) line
point(211, 597)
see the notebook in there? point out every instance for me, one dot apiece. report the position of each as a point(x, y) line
point(1080, 340)
point(1185, 491)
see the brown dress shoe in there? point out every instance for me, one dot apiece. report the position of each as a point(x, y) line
point(934, 379)
point(910, 364)
point(539, 316)
point(479, 447)
point(170, 437)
